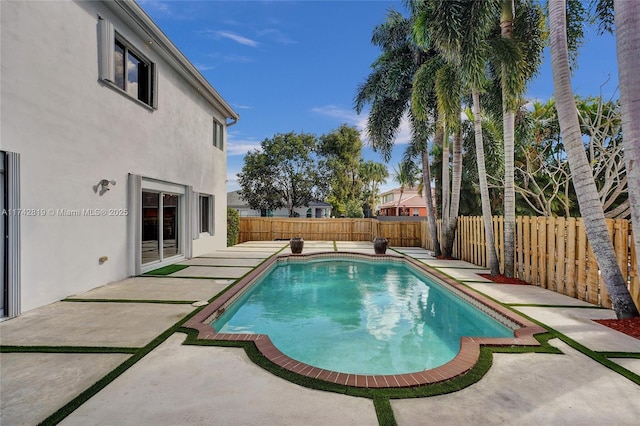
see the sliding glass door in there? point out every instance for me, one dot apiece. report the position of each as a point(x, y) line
point(160, 226)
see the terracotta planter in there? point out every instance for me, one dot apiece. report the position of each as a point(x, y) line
point(296, 245)
point(380, 245)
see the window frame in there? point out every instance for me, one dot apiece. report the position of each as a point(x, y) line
point(209, 213)
point(109, 40)
point(218, 135)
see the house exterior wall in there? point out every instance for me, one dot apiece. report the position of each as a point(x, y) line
point(71, 130)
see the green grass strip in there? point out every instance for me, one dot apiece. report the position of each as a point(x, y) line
point(67, 349)
point(166, 270)
point(533, 305)
point(635, 355)
point(384, 412)
point(167, 302)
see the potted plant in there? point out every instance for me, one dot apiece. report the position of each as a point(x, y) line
point(380, 245)
point(296, 245)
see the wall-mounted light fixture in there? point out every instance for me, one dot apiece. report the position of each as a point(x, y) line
point(103, 186)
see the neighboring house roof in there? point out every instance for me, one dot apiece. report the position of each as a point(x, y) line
point(408, 200)
point(131, 12)
point(234, 200)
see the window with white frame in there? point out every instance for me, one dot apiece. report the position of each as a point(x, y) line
point(218, 135)
point(206, 214)
point(122, 66)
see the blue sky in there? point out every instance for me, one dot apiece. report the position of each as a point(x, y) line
point(295, 65)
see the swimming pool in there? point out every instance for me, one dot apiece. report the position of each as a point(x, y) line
point(332, 317)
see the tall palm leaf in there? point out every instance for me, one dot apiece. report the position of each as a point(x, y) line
point(586, 190)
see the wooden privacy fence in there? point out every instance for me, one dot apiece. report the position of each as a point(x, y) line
point(402, 234)
point(552, 253)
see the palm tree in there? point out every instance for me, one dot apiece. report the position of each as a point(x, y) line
point(519, 52)
point(373, 174)
point(460, 30)
point(406, 176)
point(389, 89)
point(627, 16)
point(586, 190)
point(437, 80)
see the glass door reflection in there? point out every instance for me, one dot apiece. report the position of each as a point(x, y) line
point(160, 226)
point(169, 225)
point(150, 226)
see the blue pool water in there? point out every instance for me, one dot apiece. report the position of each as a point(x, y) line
point(357, 316)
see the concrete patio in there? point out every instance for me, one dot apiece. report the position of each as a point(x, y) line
point(202, 385)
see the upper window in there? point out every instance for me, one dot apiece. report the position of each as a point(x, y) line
point(218, 135)
point(132, 73)
point(125, 67)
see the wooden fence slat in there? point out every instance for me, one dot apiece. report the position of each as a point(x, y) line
point(542, 252)
point(551, 254)
point(570, 253)
point(560, 260)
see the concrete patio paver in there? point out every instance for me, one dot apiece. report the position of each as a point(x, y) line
point(196, 385)
point(155, 288)
point(235, 255)
point(443, 263)
point(208, 261)
point(578, 325)
point(41, 383)
point(533, 389)
point(529, 294)
point(466, 274)
point(211, 272)
point(92, 324)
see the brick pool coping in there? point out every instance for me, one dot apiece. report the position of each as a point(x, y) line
point(466, 358)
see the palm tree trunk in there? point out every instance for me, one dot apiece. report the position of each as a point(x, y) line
point(449, 233)
point(431, 214)
point(445, 176)
point(627, 15)
point(484, 187)
point(508, 119)
point(586, 191)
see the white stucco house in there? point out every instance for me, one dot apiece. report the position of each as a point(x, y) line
point(112, 150)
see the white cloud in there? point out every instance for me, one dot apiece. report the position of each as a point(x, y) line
point(237, 38)
point(203, 68)
point(156, 6)
point(403, 136)
point(241, 147)
point(277, 36)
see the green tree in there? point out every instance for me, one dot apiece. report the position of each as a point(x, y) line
point(406, 175)
point(283, 174)
point(372, 174)
point(233, 226)
point(586, 190)
point(341, 150)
